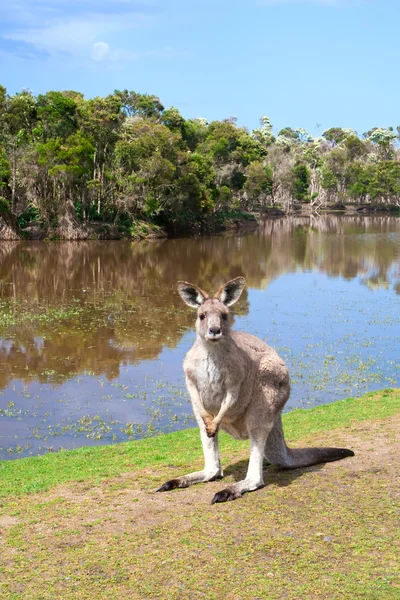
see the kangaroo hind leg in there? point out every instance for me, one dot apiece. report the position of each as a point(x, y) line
point(276, 452)
point(212, 465)
point(254, 477)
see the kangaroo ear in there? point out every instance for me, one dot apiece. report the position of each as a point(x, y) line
point(229, 293)
point(191, 294)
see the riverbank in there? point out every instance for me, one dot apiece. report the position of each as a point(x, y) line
point(136, 229)
point(86, 523)
point(139, 229)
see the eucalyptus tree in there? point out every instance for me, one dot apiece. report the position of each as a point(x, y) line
point(17, 133)
point(264, 134)
point(383, 139)
point(100, 119)
point(145, 106)
point(259, 183)
point(147, 155)
point(66, 160)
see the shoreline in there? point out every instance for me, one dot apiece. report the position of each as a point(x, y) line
point(98, 530)
point(37, 473)
point(236, 221)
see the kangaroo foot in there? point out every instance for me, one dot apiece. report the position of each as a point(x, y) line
point(171, 485)
point(191, 478)
point(226, 495)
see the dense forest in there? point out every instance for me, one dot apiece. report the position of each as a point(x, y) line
point(124, 161)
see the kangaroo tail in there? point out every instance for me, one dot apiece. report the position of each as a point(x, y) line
point(305, 457)
point(277, 452)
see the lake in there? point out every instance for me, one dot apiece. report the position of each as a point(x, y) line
point(93, 334)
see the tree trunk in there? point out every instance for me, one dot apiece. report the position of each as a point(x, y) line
point(69, 227)
point(8, 227)
point(13, 176)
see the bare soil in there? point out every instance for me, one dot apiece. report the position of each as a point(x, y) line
point(330, 531)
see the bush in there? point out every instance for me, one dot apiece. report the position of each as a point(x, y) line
point(31, 214)
point(4, 205)
point(301, 182)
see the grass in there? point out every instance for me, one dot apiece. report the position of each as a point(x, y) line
point(40, 473)
point(94, 529)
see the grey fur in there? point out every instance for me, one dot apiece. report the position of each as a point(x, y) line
point(239, 384)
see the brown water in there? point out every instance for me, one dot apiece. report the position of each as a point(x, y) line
point(92, 334)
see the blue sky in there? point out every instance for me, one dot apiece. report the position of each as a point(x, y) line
point(301, 62)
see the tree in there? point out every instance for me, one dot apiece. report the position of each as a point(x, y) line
point(144, 106)
point(172, 118)
point(383, 138)
point(328, 180)
point(66, 165)
point(18, 121)
point(101, 119)
point(301, 182)
point(358, 180)
point(148, 157)
point(57, 115)
point(4, 172)
point(289, 134)
point(355, 147)
point(334, 135)
point(66, 159)
point(264, 134)
point(385, 182)
point(259, 183)
point(303, 136)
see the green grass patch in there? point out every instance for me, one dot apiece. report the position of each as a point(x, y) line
point(28, 475)
point(328, 532)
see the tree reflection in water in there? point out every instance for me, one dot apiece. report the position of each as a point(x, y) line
point(68, 309)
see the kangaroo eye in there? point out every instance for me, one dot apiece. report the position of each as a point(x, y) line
point(224, 316)
point(202, 317)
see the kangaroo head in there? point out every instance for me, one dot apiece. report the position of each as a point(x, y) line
point(212, 321)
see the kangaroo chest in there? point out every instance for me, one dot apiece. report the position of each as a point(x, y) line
point(212, 382)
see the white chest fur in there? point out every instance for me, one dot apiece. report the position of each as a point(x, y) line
point(211, 380)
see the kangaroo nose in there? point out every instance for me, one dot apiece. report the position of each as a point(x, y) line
point(214, 330)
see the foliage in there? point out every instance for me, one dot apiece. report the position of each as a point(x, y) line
point(126, 156)
point(4, 205)
point(329, 180)
point(4, 169)
point(30, 215)
point(301, 182)
point(289, 133)
point(259, 182)
point(334, 135)
point(265, 133)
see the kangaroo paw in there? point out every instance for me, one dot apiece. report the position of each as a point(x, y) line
point(211, 427)
point(225, 495)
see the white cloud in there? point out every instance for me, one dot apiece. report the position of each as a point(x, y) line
point(69, 36)
point(100, 50)
point(79, 31)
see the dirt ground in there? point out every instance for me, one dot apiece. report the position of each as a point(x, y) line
point(329, 531)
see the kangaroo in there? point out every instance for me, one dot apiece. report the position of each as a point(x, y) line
point(237, 383)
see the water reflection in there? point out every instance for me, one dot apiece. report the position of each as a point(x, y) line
point(93, 308)
point(353, 246)
point(76, 307)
